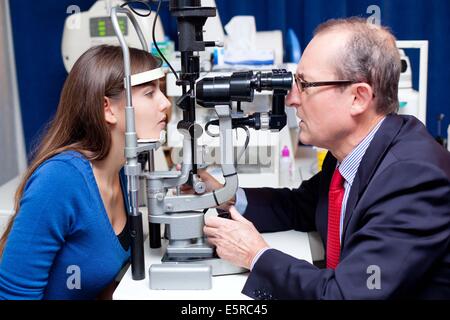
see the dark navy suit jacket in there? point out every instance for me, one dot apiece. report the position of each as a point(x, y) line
point(396, 226)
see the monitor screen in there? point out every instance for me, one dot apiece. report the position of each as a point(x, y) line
point(102, 27)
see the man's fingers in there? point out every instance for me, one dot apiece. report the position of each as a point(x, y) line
point(235, 215)
point(202, 172)
point(185, 187)
point(212, 241)
point(209, 231)
point(207, 177)
point(216, 222)
point(210, 235)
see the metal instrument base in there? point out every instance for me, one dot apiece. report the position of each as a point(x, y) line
point(219, 267)
point(180, 276)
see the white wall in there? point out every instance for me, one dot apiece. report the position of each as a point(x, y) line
point(12, 150)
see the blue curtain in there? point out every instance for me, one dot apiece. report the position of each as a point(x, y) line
point(37, 34)
point(38, 26)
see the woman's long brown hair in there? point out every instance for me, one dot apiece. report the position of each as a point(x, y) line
point(79, 123)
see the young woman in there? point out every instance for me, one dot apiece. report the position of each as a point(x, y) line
point(68, 239)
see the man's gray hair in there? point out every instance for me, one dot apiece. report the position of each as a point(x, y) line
point(370, 55)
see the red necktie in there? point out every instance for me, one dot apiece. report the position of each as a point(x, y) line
point(335, 197)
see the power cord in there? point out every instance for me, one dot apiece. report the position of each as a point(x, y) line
point(156, 44)
point(247, 141)
point(215, 135)
point(128, 3)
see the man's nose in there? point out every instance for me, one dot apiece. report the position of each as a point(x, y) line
point(293, 98)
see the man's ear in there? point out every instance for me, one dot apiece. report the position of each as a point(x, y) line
point(109, 111)
point(362, 98)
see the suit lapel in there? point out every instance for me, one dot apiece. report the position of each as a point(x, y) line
point(370, 162)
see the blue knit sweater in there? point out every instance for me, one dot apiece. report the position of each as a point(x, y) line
point(62, 244)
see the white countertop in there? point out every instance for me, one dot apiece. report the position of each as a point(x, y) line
point(226, 287)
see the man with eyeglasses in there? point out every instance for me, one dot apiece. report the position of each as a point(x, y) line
point(382, 200)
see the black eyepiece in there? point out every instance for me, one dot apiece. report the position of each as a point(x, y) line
point(240, 86)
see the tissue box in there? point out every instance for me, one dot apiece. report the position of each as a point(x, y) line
point(224, 57)
point(249, 57)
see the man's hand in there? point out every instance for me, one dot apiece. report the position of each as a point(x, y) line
point(211, 185)
point(236, 239)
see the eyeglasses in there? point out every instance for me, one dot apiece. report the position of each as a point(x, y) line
point(302, 84)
